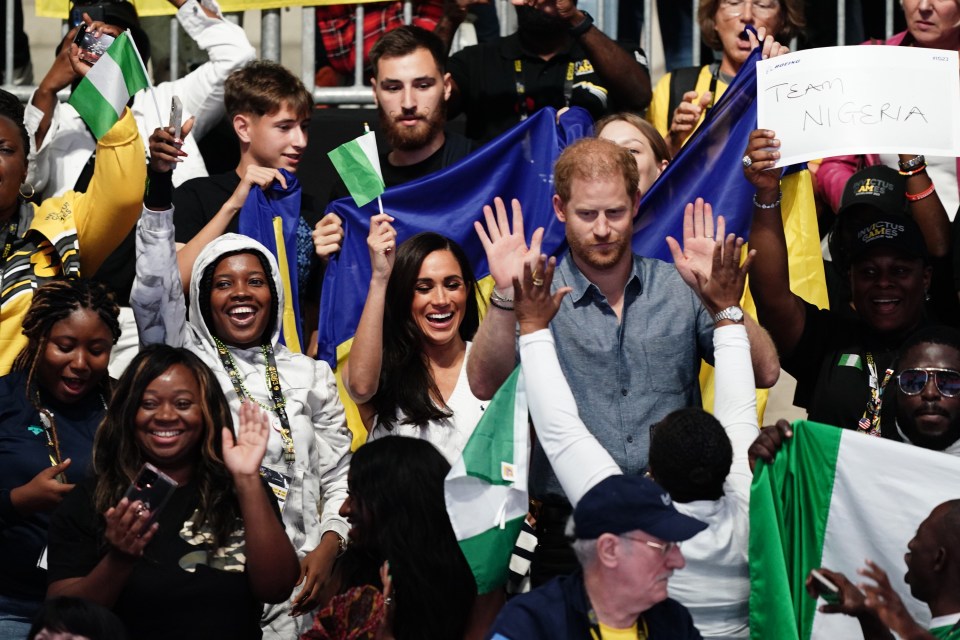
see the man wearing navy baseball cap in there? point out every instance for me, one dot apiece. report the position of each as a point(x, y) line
point(627, 537)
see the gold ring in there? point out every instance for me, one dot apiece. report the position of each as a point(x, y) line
point(538, 282)
point(140, 510)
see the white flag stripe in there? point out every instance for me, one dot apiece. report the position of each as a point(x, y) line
point(107, 78)
point(368, 144)
point(879, 500)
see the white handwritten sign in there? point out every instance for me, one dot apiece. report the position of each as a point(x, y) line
point(863, 99)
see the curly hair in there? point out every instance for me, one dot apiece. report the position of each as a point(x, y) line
point(55, 301)
point(406, 384)
point(397, 483)
point(206, 286)
point(117, 457)
point(792, 21)
point(690, 455)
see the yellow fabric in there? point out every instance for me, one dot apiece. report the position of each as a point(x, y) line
point(290, 336)
point(660, 103)
point(59, 9)
point(805, 261)
point(354, 421)
point(609, 633)
point(75, 231)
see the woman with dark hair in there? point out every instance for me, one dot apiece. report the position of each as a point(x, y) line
point(69, 235)
point(682, 97)
point(236, 298)
point(50, 406)
point(200, 566)
point(407, 366)
point(641, 139)
point(399, 521)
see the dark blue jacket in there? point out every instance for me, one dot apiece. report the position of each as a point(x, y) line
point(24, 454)
point(560, 610)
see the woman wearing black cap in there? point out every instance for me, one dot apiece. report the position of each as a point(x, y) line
point(842, 363)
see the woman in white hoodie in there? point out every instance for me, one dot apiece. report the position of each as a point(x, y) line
point(236, 295)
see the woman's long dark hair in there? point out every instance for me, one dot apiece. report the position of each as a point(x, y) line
point(117, 456)
point(406, 384)
point(396, 489)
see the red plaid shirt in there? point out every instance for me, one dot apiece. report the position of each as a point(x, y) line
point(336, 25)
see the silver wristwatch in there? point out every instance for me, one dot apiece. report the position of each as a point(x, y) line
point(730, 313)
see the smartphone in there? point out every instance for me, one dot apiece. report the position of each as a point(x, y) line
point(825, 587)
point(153, 488)
point(176, 116)
point(91, 47)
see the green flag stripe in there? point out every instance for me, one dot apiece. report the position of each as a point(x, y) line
point(489, 554)
point(777, 607)
point(360, 177)
point(492, 440)
point(95, 110)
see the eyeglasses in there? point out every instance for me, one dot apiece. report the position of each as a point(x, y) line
point(735, 8)
point(913, 381)
point(663, 547)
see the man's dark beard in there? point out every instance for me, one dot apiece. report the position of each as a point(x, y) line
point(413, 138)
point(936, 443)
point(534, 22)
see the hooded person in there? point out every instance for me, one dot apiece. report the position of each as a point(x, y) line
point(236, 295)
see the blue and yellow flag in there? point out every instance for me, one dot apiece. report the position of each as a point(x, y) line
point(710, 166)
point(518, 164)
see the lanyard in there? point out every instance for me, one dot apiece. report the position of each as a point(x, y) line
point(870, 422)
point(523, 106)
point(273, 384)
point(643, 632)
point(11, 238)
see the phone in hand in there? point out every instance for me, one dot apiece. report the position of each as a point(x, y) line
point(153, 488)
point(92, 47)
point(825, 587)
point(176, 116)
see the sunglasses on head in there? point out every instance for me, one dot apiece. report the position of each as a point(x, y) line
point(912, 381)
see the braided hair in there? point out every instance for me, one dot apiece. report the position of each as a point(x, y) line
point(56, 301)
point(206, 286)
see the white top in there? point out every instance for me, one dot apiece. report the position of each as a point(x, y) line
point(55, 167)
point(715, 584)
point(449, 435)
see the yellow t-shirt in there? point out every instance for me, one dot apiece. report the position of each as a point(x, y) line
point(660, 103)
point(609, 633)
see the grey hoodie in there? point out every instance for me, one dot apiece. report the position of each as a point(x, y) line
point(317, 420)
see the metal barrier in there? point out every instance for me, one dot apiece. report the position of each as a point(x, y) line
point(605, 12)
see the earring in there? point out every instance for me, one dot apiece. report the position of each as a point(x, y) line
point(926, 296)
point(31, 194)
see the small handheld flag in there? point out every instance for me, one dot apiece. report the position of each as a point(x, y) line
point(104, 92)
point(358, 164)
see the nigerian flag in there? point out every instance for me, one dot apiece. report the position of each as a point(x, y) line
point(833, 498)
point(102, 94)
point(358, 164)
point(486, 490)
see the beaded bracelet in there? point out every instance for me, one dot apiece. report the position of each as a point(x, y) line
point(913, 197)
point(913, 172)
point(912, 163)
point(772, 205)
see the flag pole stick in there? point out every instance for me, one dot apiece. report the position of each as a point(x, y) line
point(366, 129)
point(156, 105)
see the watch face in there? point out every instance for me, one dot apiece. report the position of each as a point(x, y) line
point(735, 313)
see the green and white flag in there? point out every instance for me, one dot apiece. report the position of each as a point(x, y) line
point(358, 164)
point(833, 498)
point(105, 90)
point(486, 490)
